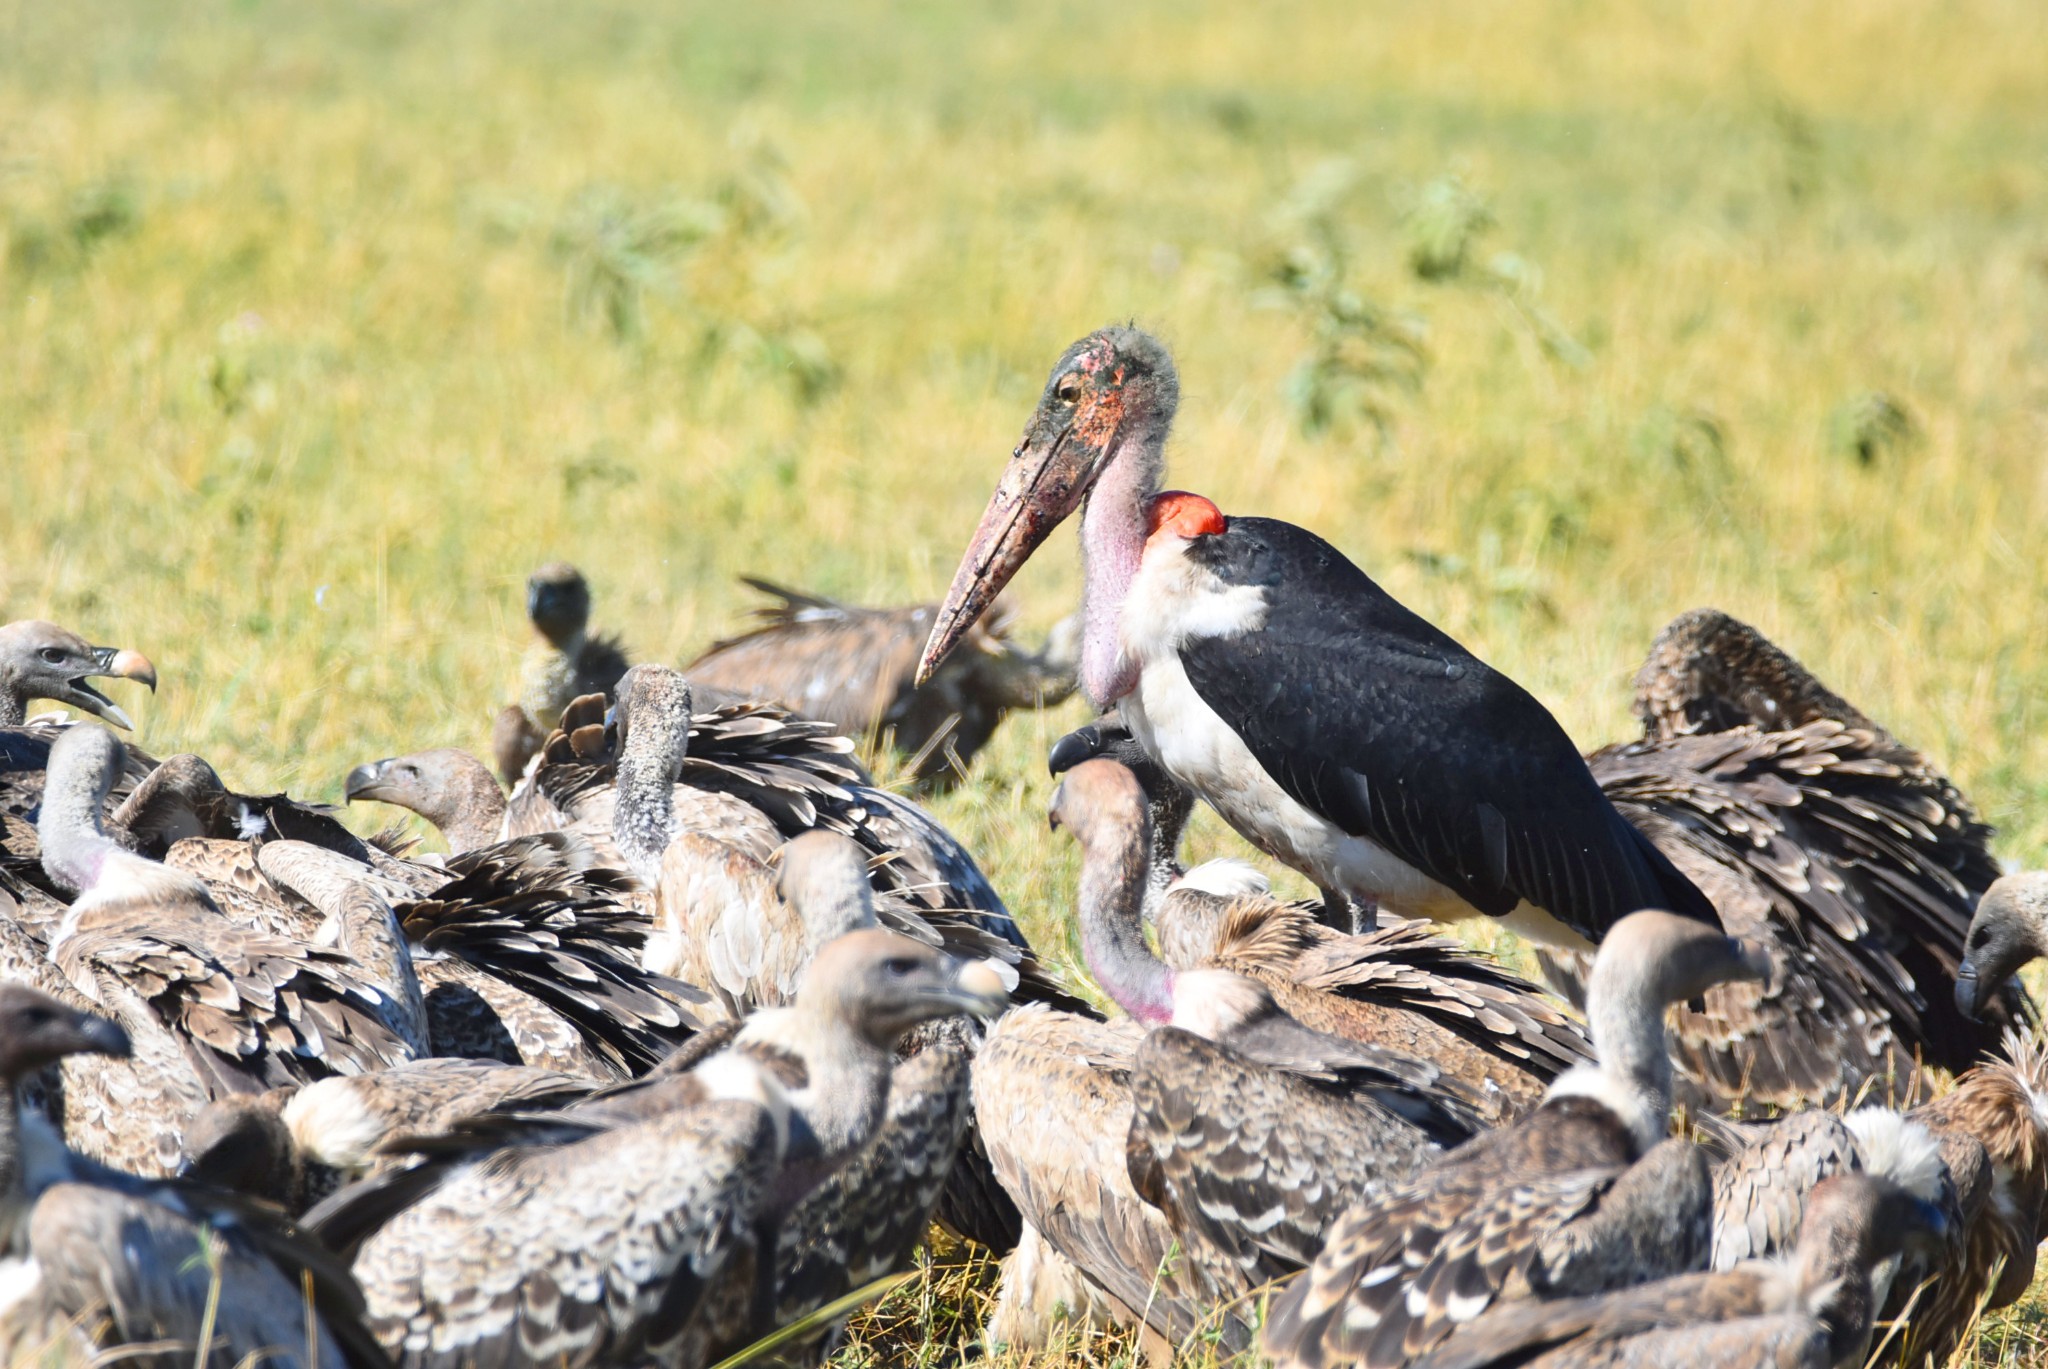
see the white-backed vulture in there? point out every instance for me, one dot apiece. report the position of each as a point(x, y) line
point(294, 1146)
point(1397, 986)
point(99, 1259)
point(2000, 1106)
point(603, 1240)
point(1581, 1196)
point(1760, 1191)
point(40, 660)
point(854, 668)
point(2008, 932)
point(518, 951)
point(1811, 826)
point(148, 945)
point(1052, 1097)
point(1811, 1308)
point(1241, 1130)
point(523, 951)
point(565, 662)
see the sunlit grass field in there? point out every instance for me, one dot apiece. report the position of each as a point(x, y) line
point(321, 326)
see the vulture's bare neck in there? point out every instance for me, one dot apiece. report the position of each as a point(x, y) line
point(643, 818)
point(472, 814)
point(1625, 1018)
point(71, 829)
point(1114, 875)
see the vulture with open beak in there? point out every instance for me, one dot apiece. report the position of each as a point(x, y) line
point(40, 660)
point(1333, 728)
point(1582, 1196)
point(855, 668)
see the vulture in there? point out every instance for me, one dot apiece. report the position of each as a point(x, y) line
point(213, 1008)
point(925, 872)
point(294, 1146)
point(1213, 1127)
point(748, 776)
point(1812, 827)
point(2001, 1109)
point(1331, 726)
point(1810, 1308)
point(99, 1260)
point(565, 662)
point(2008, 931)
point(603, 1238)
point(520, 951)
point(523, 951)
point(854, 668)
point(1052, 1095)
point(1760, 1192)
point(40, 660)
point(1397, 986)
point(1581, 1196)
point(747, 933)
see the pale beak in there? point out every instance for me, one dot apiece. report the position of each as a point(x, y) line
point(126, 665)
point(980, 989)
point(1046, 479)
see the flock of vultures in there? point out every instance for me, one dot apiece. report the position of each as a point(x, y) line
point(697, 1030)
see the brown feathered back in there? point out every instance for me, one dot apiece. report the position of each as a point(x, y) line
point(855, 668)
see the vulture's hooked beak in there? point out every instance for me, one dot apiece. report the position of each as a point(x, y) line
point(98, 1035)
point(1969, 991)
point(109, 663)
point(366, 781)
point(982, 988)
point(1758, 963)
point(1048, 476)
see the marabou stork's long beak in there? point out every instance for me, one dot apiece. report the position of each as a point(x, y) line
point(1046, 480)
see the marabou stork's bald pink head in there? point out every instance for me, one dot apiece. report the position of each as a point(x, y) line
point(1106, 408)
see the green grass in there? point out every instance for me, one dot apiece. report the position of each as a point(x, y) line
point(320, 326)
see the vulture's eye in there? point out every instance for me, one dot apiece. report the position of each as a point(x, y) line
point(54, 655)
point(900, 966)
point(1069, 389)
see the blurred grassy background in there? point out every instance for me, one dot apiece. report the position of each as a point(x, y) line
point(321, 326)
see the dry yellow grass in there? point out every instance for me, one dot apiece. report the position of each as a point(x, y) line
point(319, 326)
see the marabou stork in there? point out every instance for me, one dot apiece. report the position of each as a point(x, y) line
point(1333, 728)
